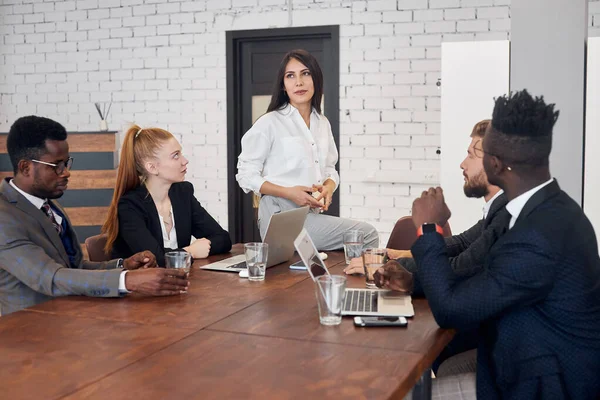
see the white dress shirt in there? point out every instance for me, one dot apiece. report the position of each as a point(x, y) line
point(281, 149)
point(38, 203)
point(488, 205)
point(515, 206)
point(169, 242)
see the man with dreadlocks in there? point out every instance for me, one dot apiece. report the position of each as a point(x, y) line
point(536, 302)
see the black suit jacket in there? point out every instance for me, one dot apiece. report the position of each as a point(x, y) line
point(467, 251)
point(139, 224)
point(536, 302)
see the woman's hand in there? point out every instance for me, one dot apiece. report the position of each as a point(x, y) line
point(199, 249)
point(301, 196)
point(325, 193)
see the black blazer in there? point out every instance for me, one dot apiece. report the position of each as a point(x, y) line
point(467, 250)
point(536, 302)
point(139, 224)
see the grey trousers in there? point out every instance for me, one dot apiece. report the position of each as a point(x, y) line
point(453, 387)
point(462, 363)
point(325, 231)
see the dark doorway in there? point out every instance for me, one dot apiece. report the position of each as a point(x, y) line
point(252, 61)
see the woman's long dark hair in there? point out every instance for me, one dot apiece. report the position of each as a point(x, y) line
point(279, 98)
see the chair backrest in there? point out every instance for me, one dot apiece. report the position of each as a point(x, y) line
point(404, 234)
point(95, 247)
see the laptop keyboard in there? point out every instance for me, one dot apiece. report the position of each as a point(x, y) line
point(361, 301)
point(241, 265)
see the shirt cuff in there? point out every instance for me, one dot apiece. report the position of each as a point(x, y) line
point(122, 288)
point(334, 178)
point(256, 183)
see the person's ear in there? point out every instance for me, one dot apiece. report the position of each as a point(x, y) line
point(25, 168)
point(498, 167)
point(151, 168)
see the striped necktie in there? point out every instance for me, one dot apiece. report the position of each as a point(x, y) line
point(46, 209)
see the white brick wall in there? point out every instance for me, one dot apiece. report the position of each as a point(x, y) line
point(162, 62)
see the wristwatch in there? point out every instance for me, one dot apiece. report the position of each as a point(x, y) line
point(429, 228)
point(120, 263)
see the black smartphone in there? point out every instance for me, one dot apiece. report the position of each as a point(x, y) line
point(380, 321)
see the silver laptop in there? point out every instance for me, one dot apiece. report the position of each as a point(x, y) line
point(373, 302)
point(283, 228)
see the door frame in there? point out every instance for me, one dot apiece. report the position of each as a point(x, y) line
point(233, 40)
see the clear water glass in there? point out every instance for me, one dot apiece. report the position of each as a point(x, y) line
point(353, 244)
point(256, 260)
point(330, 291)
point(373, 259)
point(178, 260)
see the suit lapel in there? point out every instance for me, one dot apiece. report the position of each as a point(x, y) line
point(548, 191)
point(182, 215)
point(498, 204)
point(25, 205)
point(152, 211)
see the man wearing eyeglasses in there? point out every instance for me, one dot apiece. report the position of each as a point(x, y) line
point(40, 255)
point(467, 253)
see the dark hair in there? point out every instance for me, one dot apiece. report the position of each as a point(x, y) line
point(27, 138)
point(279, 98)
point(522, 128)
point(480, 128)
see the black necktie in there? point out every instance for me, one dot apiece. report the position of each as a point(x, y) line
point(46, 209)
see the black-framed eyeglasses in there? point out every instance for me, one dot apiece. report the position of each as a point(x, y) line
point(478, 150)
point(59, 168)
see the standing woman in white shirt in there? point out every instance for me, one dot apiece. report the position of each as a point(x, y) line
point(289, 153)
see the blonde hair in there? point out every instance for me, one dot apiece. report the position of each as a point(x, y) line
point(480, 128)
point(139, 145)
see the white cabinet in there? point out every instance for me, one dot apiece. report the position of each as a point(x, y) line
point(473, 74)
point(591, 183)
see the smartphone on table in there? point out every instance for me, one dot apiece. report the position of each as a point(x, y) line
point(380, 321)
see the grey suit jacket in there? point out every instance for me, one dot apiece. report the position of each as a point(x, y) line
point(34, 266)
point(467, 251)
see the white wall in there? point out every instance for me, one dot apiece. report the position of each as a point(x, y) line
point(472, 75)
point(163, 63)
point(591, 184)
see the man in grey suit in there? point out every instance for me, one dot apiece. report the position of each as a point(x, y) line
point(40, 255)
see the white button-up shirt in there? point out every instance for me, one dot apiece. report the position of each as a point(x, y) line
point(488, 205)
point(281, 149)
point(515, 206)
point(169, 240)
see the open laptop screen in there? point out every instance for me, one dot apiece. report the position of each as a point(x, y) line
point(309, 255)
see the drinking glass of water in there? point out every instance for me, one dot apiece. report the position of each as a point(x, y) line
point(179, 260)
point(373, 259)
point(256, 260)
point(353, 244)
point(330, 291)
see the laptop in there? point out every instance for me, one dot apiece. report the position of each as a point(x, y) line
point(364, 302)
point(283, 228)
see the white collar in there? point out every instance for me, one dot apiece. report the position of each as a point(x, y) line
point(515, 206)
point(36, 201)
point(290, 109)
point(488, 204)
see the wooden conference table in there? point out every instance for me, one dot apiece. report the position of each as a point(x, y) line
point(228, 338)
